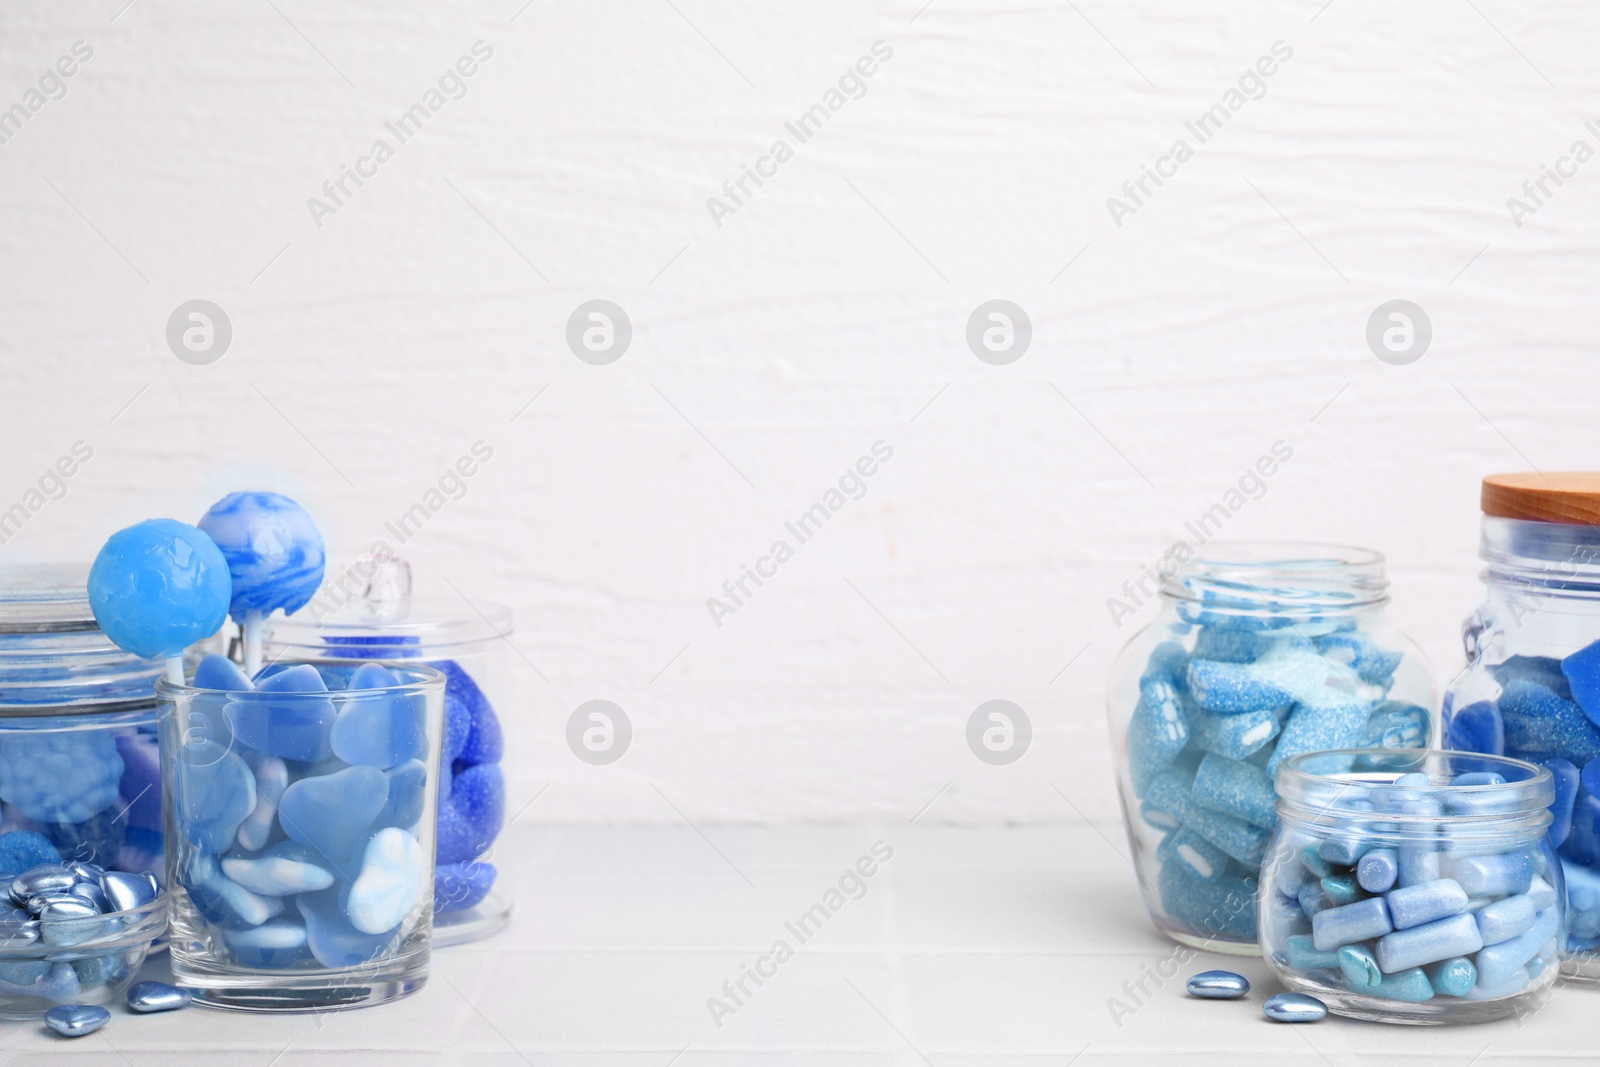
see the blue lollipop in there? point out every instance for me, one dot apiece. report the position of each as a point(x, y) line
point(275, 555)
point(158, 587)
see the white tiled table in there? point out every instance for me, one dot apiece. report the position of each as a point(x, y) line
point(968, 947)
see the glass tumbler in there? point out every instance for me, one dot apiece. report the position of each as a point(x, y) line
point(300, 823)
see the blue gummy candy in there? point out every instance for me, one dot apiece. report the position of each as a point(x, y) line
point(1221, 908)
point(459, 886)
point(1242, 790)
point(334, 813)
point(390, 883)
point(1157, 732)
point(407, 793)
point(97, 839)
point(220, 672)
point(57, 776)
point(1233, 687)
point(1476, 728)
point(158, 587)
point(23, 850)
point(1540, 724)
point(1357, 651)
point(1566, 782)
point(1544, 670)
point(331, 937)
point(276, 943)
point(296, 727)
point(470, 819)
point(1230, 646)
point(1235, 736)
point(273, 550)
point(382, 730)
point(1311, 729)
point(213, 791)
point(471, 729)
point(139, 791)
point(1582, 671)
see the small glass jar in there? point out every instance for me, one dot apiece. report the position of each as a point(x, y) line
point(300, 836)
point(1261, 651)
point(79, 762)
point(1411, 887)
point(469, 643)
point(1531, 688)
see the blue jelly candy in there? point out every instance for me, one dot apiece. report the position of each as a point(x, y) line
point(1357, 651)
point(1582, 671)
point(407, 794)
point(97, 839)
point(381, 730)
point(1234, 687)
point(1540, 724)
point(220, 672)
point(470, 819)
point(59, 776)
point(1221, 908)
point(1567, 780)
point(273, 550)
point(284, 869)
point(22, 850)
point(459, 886)
point(219, 898)
point(1239, 789)
point(1157, 731)
point(483, 742)
point(1235, 736)
point(213, 791)
point(139, 791)
point(276, 943)
point(1311, 729)
point(1544, 670)
point(1476, 728)
point(1583, 840)
point(158, 587)
point(272, 778)
point(390, 883)
point(333, 813)
point(295, 727)
point(329, 935)
point(1203, 861)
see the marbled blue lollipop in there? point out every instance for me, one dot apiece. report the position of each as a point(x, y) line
point(158, 587)
point(275, 554)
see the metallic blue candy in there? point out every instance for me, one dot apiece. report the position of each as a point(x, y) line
point(1218, 985)
point(147, 997)
point(76, 1020)
point(273, 550)
point(1294, 1008)
point(158, 587)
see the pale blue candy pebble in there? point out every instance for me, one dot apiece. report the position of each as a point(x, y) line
point(220, 672)
point(1294, 1008)
point(1506, 918)
point(60, 984)
point(1218, 985)
point(287, 867)
point(275, 943)
point(274, 551)
point(76, 1020)
point(1410, 986)
point(381, 730)
point(1378, 870)
point(1360, 968)
point(1361, 921)
point(390, 883)
point(333, 813)
point(329, 935)
point(147, 997)
point(294, 727)
point(407, 793)
point(1302, 955)
point(1442, 939)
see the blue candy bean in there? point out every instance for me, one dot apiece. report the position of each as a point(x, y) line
point(76, 1020)
point(1217, 985)
point(147, 997)
point(1294, 1008)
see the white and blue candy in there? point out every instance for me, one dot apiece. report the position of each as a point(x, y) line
point(273, 550)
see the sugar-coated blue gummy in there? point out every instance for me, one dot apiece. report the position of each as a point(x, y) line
point(1311, 729)
point(1540, 724)
point(1396, 724)
point(472, 730)
point(1204, 861)
point(273, 550)
point(329, 935)
point(1157, 731)
point(139, 790)
point(97, 839)
point(1544, 670)
point(1583, 841)
point(276, 943)
point(459, 886)
point(1236, 736)
point(471, 818)
point(220, 672)
point(213, 790)
point(1582, 671)
point(158, 587)
point(1242, 790)
point(1233, 687)
point(1231, 646)
point(1360, 653)
point(22, 850)
point(380, 730)
point(1169, 791)
point(1243, 841)
point(1567, 779)
point(296, 727)
point(407, 793)
point(1167, 663)
point(58, 775)
point(1223, 908)
point(1476, 728)
point(334, 813)
point(141, 851)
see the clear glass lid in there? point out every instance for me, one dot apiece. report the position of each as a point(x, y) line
point(53, 658)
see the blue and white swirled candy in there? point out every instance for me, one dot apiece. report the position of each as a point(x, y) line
point(274, 551)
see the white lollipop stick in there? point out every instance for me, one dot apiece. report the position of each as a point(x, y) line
point(175, 669)
point(252, 641)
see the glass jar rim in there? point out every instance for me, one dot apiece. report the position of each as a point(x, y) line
point(423, 679)
point(1309, 783)
point(1279, 577)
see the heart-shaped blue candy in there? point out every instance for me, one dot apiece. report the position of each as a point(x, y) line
point(331, 938)
point(295, 727)
point(379, 730)
point(334, 813)
point(214, 791)
point(471, 817)
point(390, 883)
point(459, 886)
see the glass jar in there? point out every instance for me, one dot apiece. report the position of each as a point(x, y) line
point(469, 643)
point(1413, 887)
point(79, 761)
point(300, 826)
point(1531, 688)
point(1261, 651)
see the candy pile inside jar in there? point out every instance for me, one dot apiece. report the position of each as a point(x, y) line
point(1405, 916)
point(1215, 719)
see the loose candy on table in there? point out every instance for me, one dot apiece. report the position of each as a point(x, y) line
point(1294, 1008)
point(1217, 985)
point(158, 587)
point(76, 1020)
point(148, 997)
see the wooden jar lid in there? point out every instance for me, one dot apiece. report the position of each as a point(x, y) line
point(1558, 496)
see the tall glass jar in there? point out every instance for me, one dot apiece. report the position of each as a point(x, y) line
point(1261, 651)
point(1413, 887)
point(1531, 688)
point(79, 761)
point(469, 643)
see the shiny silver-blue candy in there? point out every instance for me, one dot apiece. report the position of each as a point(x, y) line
point(149, 997)
point(1218, 985)
point(76, 1020)
point(52, 877)
point(125, 891)
point(1294, 1008)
